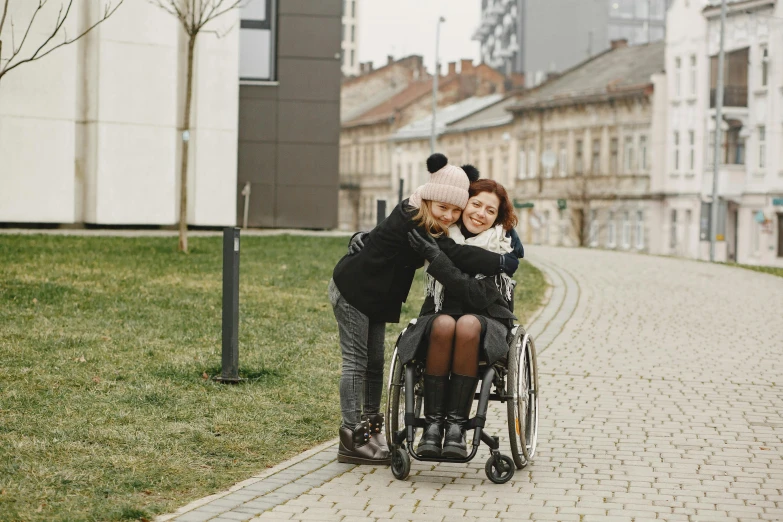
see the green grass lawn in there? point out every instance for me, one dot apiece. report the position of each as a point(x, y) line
point(774, 270)
point(106, 346)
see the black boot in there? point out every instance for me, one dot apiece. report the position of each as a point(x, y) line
point(434, 415)
point(355, 447)
point(461, 392)
point(377, 435)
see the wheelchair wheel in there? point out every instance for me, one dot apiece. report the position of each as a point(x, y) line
point(499, 469)
point(395, 401)
point(522, 385)
point(400, 463)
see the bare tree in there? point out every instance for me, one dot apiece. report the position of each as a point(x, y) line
point(193, 15)
point(581, 197)
point(52, 37)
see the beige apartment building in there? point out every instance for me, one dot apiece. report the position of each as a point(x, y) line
point(378, 104)
point(589, 150)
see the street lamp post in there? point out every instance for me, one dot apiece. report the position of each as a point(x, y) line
point(716, 151)
point(435, 85)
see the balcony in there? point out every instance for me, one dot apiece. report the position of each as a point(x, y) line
point(733, 96)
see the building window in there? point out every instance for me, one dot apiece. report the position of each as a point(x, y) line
point(677, 76)
point(643, 152)
point(532, 158)
point(548, 152)
point(691, 151)
point(614, 156)
point(626, 230)
point(611, 240)
point(563, 162)
point(343, 32)
point(353, 8)
point(639, 230)
point(735, 144)
point(257, 28)
point(692, 76)
point(673, 231)
point(764, 66)
point(353, 57)
point(522, 167)
point(762, 147)
point(596, 158)
point(578, 158)
point(353, 33)
point(628, 151)
point(676, 151)
point(593, 228)
point(491, 168)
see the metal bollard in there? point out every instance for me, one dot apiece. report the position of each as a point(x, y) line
point(230, 358)
point(381, 211)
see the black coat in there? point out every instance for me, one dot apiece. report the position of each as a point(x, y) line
point(377, 279)
point(463, 294)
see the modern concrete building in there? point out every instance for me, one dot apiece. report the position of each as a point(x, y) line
point(104, 146)
point(289, 115)
point(750, 173)
point(350, 38)
point(536, 38)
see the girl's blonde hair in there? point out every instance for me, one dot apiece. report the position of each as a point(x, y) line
point(425, 218)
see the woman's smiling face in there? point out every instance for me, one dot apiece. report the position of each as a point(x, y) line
point(481, 212)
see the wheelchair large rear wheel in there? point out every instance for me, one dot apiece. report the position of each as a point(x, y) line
point(395, 399)
point(522, 386)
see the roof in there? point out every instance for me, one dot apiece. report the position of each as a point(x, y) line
point(492, 116)
point(388, 108)
point(616, 71)
point(376, 99)
point(452, 113)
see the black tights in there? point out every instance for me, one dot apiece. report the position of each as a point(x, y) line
point(454, 346)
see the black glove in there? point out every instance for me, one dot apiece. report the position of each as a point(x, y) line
point(357, 242)
point(509, 263)
point(516, 244)
point(425, 246)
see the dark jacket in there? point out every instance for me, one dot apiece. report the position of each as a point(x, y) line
point(377, 279)
point(463, 294)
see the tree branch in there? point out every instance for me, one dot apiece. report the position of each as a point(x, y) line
point(108, 12)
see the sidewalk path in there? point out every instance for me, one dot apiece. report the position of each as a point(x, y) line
point(661, 400)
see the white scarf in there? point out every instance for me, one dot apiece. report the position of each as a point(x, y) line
point(493, 239)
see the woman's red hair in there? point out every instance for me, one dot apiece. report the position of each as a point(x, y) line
point(506, 214)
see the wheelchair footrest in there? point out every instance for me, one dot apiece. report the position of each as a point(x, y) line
point(411, 420)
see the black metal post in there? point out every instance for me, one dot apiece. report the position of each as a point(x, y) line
point(402, 183)
point(381, 211)
point(230, 358)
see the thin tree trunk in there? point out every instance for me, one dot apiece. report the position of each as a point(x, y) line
point(183, 190)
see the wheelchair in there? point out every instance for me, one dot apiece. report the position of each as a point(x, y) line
point(515, 382)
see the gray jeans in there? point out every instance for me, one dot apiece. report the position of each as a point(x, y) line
point(361, 343)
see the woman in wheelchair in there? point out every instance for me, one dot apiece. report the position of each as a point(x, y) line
point(464, 316)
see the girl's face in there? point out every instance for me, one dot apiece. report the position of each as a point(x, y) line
point(481, 212)
point(445, 213)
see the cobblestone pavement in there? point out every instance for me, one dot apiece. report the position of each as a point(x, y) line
point(661, 400)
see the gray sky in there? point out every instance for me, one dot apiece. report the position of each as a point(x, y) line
point(405, 27)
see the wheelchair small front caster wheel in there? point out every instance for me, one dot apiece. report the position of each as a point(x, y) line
point(400, 463)
point(499, 469)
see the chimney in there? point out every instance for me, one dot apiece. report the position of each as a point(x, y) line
point(466, 66)
point(389, 59)
point(517, 80)
point(369, 67)
point(619, 44)
point(452, 68)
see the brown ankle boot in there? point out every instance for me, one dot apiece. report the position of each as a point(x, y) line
point(355, 447)
point(377, 434)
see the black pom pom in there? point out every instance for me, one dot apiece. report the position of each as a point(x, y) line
point(436, 162)
point(472, 172)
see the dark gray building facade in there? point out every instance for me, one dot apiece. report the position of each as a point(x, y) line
point(538, 37)
point(289, 113)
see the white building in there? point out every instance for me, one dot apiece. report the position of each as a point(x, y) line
point(89, 134)
point(350, 40)
point(750, 182)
